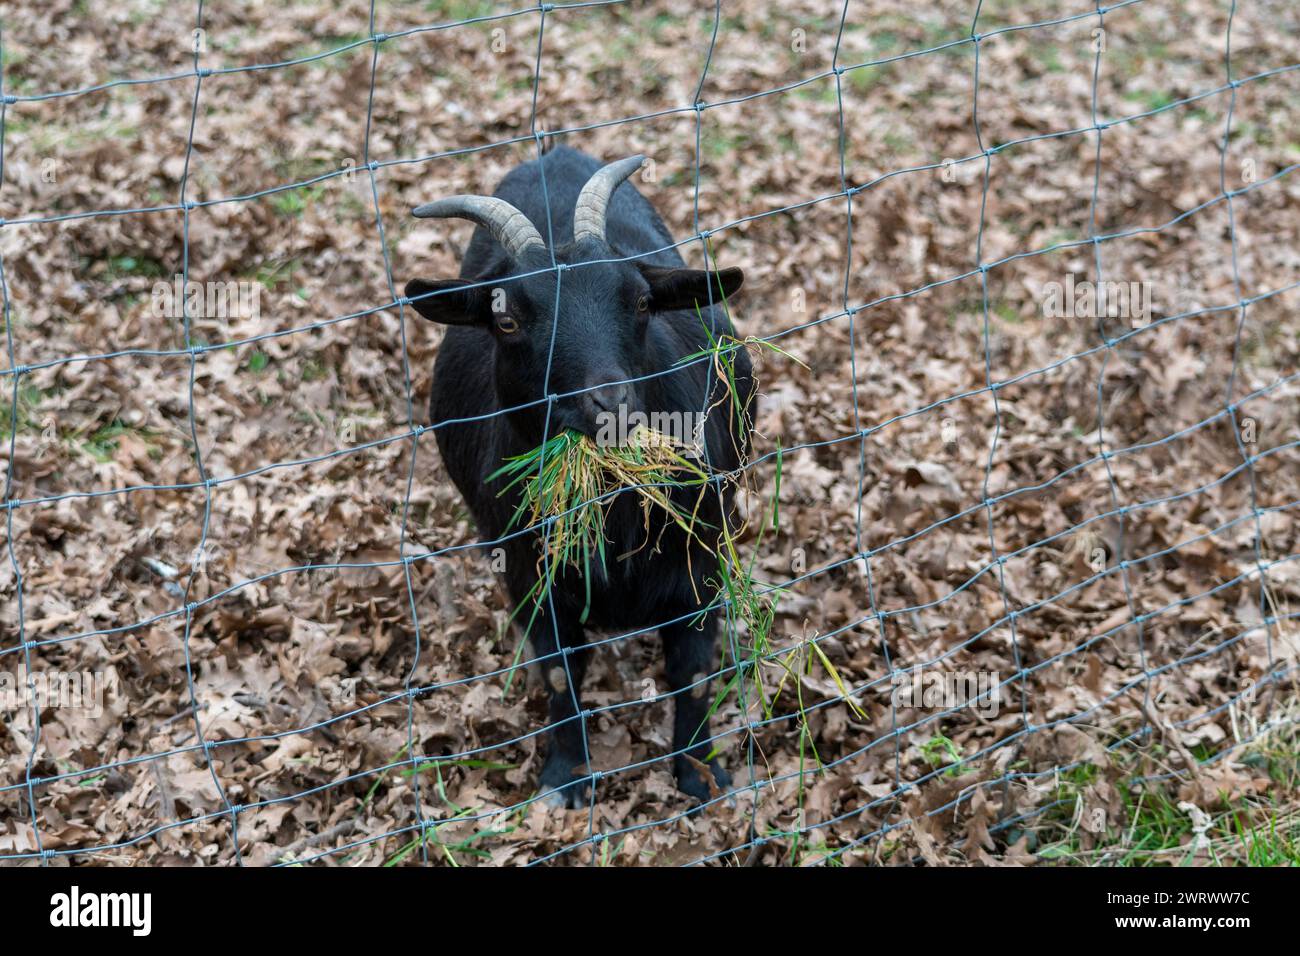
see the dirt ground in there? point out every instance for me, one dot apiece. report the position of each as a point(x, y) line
point(1109, 529)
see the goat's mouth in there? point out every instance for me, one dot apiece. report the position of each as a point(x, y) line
point(630, 427)
point(577, 420)
point(571, 484)
point(609, 423)
point(678, 431)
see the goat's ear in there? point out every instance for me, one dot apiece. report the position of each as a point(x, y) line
point(457, 302)
point(683, 288)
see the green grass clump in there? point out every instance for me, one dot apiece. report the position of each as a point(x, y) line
point(569, 483)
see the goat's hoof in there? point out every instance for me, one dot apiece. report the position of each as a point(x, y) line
point(691, 779)
point(561, 788)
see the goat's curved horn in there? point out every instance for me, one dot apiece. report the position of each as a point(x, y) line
point(593, 202)
point(508, 225)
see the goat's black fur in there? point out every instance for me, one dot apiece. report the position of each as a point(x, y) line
point(603, 336)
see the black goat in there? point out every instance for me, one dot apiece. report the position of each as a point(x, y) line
point(619, 322)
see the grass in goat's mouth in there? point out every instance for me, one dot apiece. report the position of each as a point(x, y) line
point(570, 481)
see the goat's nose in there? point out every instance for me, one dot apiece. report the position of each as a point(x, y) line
point(600, 407)
point(608, 398)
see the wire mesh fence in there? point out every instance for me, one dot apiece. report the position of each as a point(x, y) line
point(876, 758)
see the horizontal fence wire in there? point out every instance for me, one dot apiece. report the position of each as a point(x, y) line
point(873, 618)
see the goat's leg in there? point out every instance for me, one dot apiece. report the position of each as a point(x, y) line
point(689, 659)
point(560, 644)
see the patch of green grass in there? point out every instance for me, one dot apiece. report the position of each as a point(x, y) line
point(103, 442)
point(136, 266)
point(1048, 57)
point(1157, 828)
point(606, 855)
point(1150, 100)
point(1063, 236)
point(967, 307)
point(898, 142)
point(1248, 132)
point(1279, 758)
point(313, 370)
point(719, 145)
point(660, 23)
point(292, 203)
point(145, 11)
point(29, 402)
point(304, 169)
point(46, 139)
point(940, 751)
point(821, 854)
point(437, 766)
point(328, 44)
point(1274, 842)
point(453, 849)
point(788, 143)
point(886, 42)
point(823, 91)
point(1007, 312)
point(115, 268)
point(726, 24)
point(297, 169)
point(1080, 775)
point(868, 78)
point(275, 273)
point(451, 11)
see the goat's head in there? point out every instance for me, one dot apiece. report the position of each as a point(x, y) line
point(596, 351)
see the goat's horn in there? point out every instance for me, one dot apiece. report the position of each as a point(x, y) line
point(593, 202)
point(508, 225)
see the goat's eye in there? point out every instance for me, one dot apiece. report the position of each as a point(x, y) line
point(507, 323)
point(643, 304)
